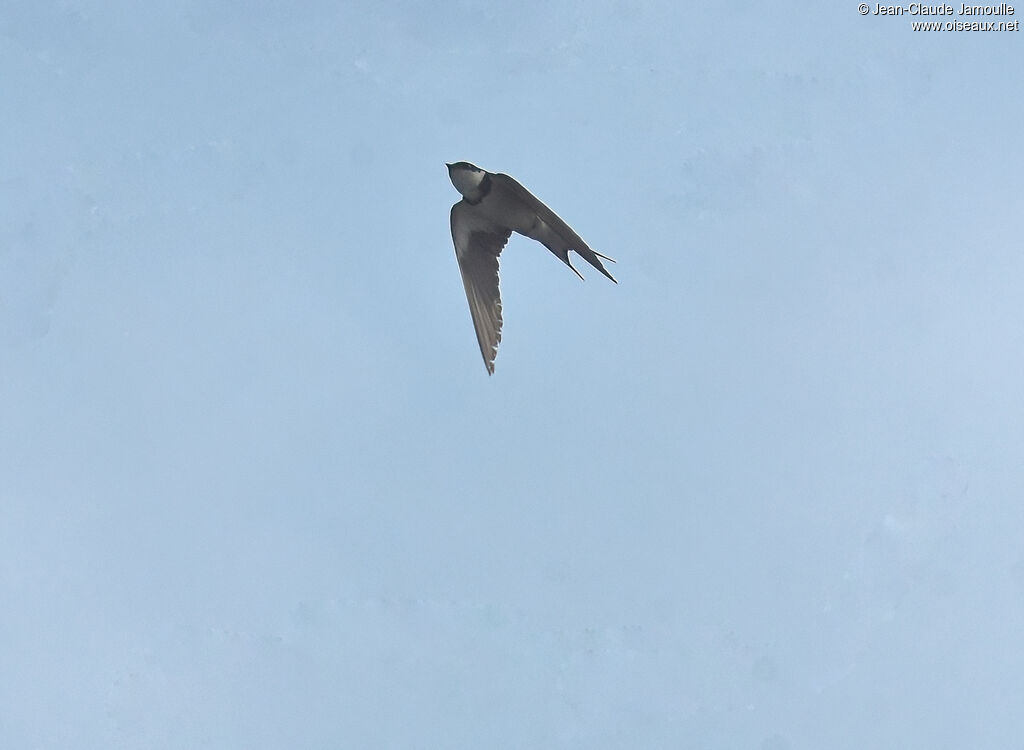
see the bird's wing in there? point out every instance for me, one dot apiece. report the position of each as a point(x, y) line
point(571, 240)
point(478, 243)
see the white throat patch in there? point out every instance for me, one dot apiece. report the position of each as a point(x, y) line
point(466, 181)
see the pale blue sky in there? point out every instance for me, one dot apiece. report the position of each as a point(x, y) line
point(258, 491)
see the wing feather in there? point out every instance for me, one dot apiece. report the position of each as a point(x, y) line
point(478, 243)
point(571, 240)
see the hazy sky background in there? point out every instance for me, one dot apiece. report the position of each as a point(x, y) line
point(258, 491)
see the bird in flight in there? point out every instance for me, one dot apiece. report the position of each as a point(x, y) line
point(492, 207)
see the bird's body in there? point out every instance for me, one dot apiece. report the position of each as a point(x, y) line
point(492, 207)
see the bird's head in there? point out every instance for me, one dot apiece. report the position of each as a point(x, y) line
point(466, 178)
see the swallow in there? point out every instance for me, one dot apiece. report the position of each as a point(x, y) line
point(493, 206)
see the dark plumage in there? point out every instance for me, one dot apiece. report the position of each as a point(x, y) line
point(492, 207)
